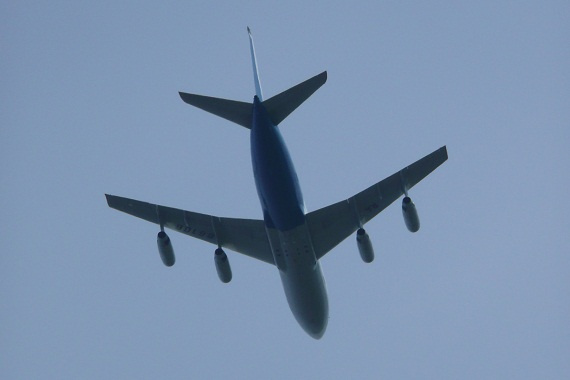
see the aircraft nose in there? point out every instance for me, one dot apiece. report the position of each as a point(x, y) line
point(316, 327)
point(307, 297)
point(315, 319)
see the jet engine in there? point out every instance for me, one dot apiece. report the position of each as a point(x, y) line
point(165, 249)
point(364, 246)
point(223, 266)
point(410, 214)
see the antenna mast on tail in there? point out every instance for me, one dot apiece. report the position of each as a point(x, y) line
point(254, 63)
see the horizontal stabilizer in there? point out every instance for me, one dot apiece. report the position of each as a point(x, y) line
point(280, 106)
point(232, 110)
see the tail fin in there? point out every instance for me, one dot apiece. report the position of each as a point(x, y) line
point(255, 71)
point(280, 106)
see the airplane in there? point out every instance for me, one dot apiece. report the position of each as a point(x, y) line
point(287, 237)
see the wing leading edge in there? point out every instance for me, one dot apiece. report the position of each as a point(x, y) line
point(332, 224)
point(246, 236)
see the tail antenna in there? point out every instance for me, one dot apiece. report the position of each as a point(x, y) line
point(255, 71)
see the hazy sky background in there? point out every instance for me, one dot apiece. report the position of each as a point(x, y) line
point(89, 105)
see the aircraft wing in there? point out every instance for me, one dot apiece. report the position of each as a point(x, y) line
point(332, 224)
point(246, 236)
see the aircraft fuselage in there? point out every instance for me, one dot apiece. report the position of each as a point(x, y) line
point(284, 215)
point(288, 237)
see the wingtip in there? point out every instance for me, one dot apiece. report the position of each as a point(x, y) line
point(249, 31)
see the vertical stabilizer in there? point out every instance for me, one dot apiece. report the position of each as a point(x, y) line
point(254, 63)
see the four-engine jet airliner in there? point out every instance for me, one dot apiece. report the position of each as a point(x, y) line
point(287, 237)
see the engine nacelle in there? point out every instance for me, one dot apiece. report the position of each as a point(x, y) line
point(364, 246)
point(223, 266)
point(410, 214)
point(165, 249)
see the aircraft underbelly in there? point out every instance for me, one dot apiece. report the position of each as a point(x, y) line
point(283, 210)
point(275, 177)
point(302, 278)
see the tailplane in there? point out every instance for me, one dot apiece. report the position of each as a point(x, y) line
point(232, 110)
point(281, 105)
point(278, 107)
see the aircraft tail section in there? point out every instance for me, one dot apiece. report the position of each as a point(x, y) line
point(278, 107)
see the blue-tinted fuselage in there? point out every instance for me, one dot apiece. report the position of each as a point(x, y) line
point(283, 212)
point(275, 178)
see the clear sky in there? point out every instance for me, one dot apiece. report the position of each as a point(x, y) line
point(89, 105)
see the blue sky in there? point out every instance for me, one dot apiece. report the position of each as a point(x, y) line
point(90, 106)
